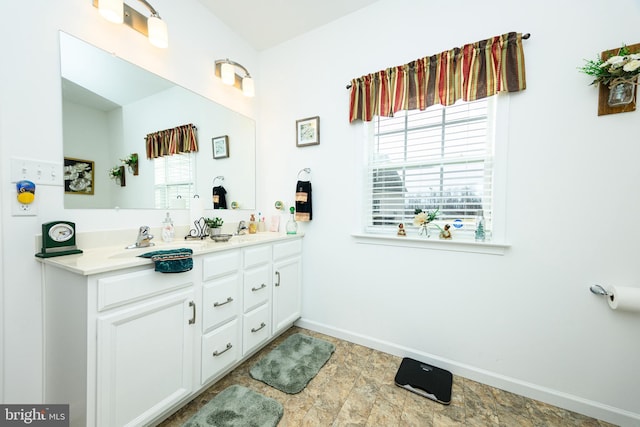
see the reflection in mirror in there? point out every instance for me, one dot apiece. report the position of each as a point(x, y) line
point(110, 106)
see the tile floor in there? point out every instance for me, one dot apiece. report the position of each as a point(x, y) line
point(356, 388)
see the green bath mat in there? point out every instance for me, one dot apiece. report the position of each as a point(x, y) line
point(290, 366)
point(237, 406)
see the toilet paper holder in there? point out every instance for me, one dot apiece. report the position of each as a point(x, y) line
point(599, 290)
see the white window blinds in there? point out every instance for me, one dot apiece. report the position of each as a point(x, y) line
point(173, 178)
point(440, 158)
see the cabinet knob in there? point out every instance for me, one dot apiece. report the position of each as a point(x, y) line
point(219, 304)
point(193, 312)
point(254, 289)
point(262, 325)
point(218, 353)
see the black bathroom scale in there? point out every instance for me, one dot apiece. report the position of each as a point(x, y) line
point(426, 380)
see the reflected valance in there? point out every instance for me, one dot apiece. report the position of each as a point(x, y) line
point(181, 139)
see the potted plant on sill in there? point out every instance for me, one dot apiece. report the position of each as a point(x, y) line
point(214, 225)
point(618, 72)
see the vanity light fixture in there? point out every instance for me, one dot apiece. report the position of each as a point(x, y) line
point(226, 70)
point(121, 13)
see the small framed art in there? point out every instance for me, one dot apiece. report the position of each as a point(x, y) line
point(78, 176)
point(220, 147)
point(308, 131)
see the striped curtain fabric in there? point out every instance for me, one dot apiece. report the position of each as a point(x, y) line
point(474, 71)
point(181, 139)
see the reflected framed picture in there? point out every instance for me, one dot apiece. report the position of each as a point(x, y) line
point(78, 176)
point(308, 131)
point(220, 147)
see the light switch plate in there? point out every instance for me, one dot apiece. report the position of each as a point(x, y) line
point(36, 171)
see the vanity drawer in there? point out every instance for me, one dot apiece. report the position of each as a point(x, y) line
point(220, 301)
point(221, 348)
point(257, 255)
point(287, 249)
point(257, 286)
point(256, 328)
point(220, 264)
point(114, 291)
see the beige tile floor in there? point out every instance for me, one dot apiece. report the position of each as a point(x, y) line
point(356, 388)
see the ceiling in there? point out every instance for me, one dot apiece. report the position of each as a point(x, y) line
point(266, 23)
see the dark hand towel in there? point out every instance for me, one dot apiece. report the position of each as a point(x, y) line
point(171, 261)
point(219, 198)
point(303, 201)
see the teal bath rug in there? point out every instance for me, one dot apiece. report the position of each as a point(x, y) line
point(290, 366)
point(237, 406)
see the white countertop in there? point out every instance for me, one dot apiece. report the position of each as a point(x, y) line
point(111, 258)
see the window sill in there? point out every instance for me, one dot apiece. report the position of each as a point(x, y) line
point(433, 243)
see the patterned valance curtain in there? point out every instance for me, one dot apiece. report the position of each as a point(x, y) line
point(181, 139)
point(474, 71)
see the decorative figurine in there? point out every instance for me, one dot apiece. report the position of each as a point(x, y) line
point(401, 230)
point(446, 234)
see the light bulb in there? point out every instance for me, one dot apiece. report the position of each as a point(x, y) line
point(248, 87)
point(157, 30)
point(111, 10)
point(228, 73)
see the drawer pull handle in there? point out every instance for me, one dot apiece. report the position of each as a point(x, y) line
point(262, 325)
point(278, 278)
point(193, 311)
point(219, 304)
point(257, 289)
point(218, 353)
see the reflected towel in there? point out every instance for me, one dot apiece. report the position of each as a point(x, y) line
point(303, 201)
point(172, 260)
point(219, 198)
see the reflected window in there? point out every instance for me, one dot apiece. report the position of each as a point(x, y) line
point(173, 180)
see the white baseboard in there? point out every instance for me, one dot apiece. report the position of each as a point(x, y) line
point(587, 407)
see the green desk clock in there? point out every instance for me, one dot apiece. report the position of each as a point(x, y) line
point(58, 238)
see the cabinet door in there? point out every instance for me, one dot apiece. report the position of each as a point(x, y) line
point(145, 359)
point(286, 292)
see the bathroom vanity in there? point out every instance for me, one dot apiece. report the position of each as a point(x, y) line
point(126, 345)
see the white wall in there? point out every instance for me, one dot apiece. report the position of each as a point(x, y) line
point(525, 321)
point(31, 127)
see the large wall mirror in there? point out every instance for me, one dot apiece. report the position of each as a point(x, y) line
point(110, 106)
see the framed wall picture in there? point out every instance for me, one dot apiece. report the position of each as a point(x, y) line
point(220, 147)
point(308, 131)
point(78, 176)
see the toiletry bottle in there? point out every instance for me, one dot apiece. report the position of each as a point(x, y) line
point(292, 225)
point(253, 227)
point(168, 231)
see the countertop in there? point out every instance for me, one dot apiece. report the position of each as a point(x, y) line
point(116, 257)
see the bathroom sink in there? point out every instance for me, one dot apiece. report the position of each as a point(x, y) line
point(257, 237)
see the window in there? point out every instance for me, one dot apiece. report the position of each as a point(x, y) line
point(440, 158)
point(173, 178)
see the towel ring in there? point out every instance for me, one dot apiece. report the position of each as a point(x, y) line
point(306, 170)
point(220, 177)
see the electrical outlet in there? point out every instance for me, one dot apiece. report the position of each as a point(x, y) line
point(20, 209)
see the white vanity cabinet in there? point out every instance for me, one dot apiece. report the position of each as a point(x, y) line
point(127, 346)
point(118, 346)
point(221, 310)
point(287, 286)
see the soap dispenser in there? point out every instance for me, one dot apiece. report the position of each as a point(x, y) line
point(292, 225)
point(168, 231)
point(253, 227)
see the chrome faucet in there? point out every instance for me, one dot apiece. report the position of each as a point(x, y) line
point(242, 228)
point(143, 240)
